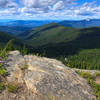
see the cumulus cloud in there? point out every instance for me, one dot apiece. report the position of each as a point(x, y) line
point(49, 9)
point(7, 4)
point(47, 4)
point(87, 9)
point(59, 5)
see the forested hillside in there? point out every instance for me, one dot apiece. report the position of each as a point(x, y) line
point(58, 41)
point(16, 43)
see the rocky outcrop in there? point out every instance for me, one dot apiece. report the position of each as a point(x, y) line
point(40, 78)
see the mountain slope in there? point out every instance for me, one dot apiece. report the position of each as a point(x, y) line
point(4, 38)
point(56, 40)
point(16, 27)
point(85, 39)
point(14, 30)
point(49, 33)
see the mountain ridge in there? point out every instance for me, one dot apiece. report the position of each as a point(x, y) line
point(81, 23)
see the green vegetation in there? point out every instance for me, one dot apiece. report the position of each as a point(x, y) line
point(14, 30)
point(1, 86)
point(85, 74)
point(91, 81)
point(97, 74)
point(49, 33)
point(16, 42)
point(12, 87)
point(24, 51)
point(8, 47)
point(51, 98)
point(56, 40)
point(85, 59)
point(2, 71)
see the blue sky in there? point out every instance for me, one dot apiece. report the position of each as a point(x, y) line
point(49, 9)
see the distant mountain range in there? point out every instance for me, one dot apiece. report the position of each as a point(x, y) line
point(81, 24)
point(26, 23)
point(14, 30)
point(17, 27)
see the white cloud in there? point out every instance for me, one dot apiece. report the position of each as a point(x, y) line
point(59, 5)
point(48, 4)
point(7, 4)
point(87, 9)
point(45, 9)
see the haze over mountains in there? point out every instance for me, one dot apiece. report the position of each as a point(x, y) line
point(16, 27)
point(82, 23)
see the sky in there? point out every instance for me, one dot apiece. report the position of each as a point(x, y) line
point(49, 9)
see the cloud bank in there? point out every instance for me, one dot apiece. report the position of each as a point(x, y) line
point(48, 9)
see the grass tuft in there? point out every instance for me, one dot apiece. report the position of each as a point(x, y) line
point(12, 87)
point(91, 82)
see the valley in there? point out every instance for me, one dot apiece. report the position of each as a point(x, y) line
point(54, 40)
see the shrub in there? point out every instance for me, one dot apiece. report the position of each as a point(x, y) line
point(24, 51)
point(1, 86)
point(7, 48)
point(85, 74)
point(11, 87)
point(97, 74)
point(2, 70)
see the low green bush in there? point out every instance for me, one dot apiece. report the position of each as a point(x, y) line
point(97, 74)
point(2, 70)
point(11, 87)
point(1, 86)
point(85, 74)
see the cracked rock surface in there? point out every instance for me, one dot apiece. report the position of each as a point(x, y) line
point(41, 78)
